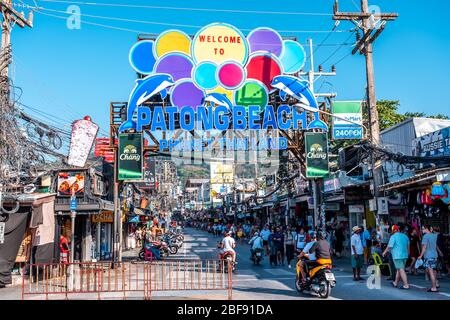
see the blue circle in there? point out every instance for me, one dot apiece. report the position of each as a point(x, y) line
point(294, 57)
point(141, 57)
point(204, 75)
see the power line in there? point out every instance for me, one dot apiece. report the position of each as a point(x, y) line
point(337, 50)
point(40, 9)
point(190, 9)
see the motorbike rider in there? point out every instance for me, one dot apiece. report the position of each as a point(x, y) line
point(318, 253)
point(256, 242)
point(228, 244)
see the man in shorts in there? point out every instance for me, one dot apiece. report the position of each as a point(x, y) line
point(430, 256)
point(399, 247)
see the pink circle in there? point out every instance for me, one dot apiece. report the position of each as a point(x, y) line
point(231, 75)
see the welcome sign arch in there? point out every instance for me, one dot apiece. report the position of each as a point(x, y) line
point(216, 81)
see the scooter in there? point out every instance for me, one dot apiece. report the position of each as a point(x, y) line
point(257, 256)
point(320, 279)
point(226, 259)
point(149, 251)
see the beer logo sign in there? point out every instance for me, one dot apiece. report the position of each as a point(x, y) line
point(316, 152)
point(130, 157)
point(316, 149)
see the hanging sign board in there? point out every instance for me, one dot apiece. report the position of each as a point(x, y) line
point(351, 111)
point(316, 150)
point(130, 157)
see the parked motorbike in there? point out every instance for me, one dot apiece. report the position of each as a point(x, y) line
point(320, 279)
point(257, 256)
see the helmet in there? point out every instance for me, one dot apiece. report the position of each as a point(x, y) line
point(313, 234)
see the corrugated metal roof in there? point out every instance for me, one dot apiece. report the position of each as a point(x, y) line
point(399, 138)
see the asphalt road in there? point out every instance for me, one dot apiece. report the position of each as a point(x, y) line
point(268, 283)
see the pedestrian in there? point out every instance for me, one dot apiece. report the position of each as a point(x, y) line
point(289, 246)
point(340, 238)
point(367, 243)
point(399, 247)
point(278, 240)
point(64, 249)
point(430, 254)
point(272, 248)
point(265, 233)
point(414, 250)
point(240, 234)
point(300, 240)
point(442, 246)
point(357, 250)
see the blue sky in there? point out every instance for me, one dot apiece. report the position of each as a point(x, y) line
point(71, 73)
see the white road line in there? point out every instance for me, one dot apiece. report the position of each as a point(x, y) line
point(416, 286)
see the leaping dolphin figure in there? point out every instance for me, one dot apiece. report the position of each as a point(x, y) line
point(145, 89)
point(299, 89)
point(218, 99)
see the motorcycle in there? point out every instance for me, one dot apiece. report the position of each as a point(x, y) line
point(148, 251)
point(320, 279)
point(257, 256)
point(226, 259)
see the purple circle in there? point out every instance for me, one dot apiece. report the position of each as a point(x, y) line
point(265, 39)
point(178, 65)
point(186, 94)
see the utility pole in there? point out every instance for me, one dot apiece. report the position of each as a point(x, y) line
point(312, 76)
point(371, 25)
point(10, 18)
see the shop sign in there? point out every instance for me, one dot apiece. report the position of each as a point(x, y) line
point(149, 174)
point(356, 208)
point(70, 181)
point(357, 194)
point(103, 149)
point(130, 157)
point(220, 79)
point(433, 145)
point(331, 185)
point(103, 217)
point(351, 111)
point(316, 150)
point(310, 202)
point(332, 206)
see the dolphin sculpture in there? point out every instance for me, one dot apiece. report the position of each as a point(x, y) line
point(299, 89)
point(218, 99)
point(295, 87)
point(145, 89)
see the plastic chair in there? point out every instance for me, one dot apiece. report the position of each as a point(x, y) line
point(379, 262)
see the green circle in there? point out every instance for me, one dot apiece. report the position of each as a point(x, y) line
point(252, 93)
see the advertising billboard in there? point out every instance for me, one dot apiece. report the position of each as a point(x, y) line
point(351, 111)
point(130, 157)
point(433, 145)
point(316, 150)
point(68, 181)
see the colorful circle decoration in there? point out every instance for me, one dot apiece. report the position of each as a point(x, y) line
point(172, 41)
point(219, 42)
point(178, 65)
point(252, 93)
point(141, 57)
point(186, 94)
point(267, 40)
point(204, 75)
point(263, 67)
point(231, 75)
point(293, 58)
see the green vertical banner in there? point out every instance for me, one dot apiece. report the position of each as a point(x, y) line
point(316, 150)
point(130, 157)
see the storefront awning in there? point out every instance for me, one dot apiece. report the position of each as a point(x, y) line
point(427, 176)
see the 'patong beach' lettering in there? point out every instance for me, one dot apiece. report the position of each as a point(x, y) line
point(221, 118)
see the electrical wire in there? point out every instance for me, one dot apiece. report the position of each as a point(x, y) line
point(40, 9)
point(208, 10)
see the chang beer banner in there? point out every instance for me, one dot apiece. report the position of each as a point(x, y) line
point(348, 121)
point(130, 157)
point(316, 150)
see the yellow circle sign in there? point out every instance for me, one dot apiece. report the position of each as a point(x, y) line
point(172, 41)
point(220, 42)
